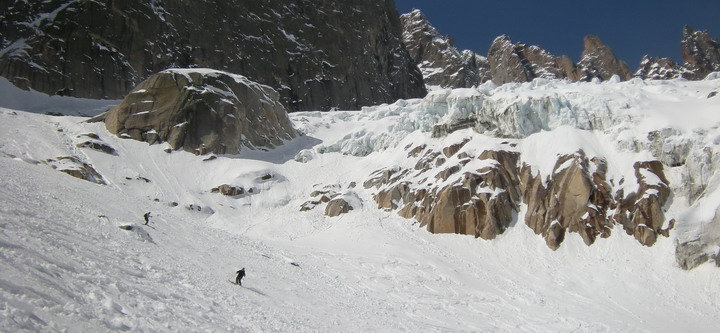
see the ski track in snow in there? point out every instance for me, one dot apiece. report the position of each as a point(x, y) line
point(66, 267)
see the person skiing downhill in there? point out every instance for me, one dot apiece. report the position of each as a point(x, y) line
point(240, 275)
point(147, 217)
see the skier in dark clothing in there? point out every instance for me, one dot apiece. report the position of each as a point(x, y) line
point(147, 217)
point(240, 275)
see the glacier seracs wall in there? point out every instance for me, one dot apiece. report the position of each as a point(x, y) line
point(675, 122)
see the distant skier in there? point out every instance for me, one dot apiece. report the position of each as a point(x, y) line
point(240, 275)
point(147, 217)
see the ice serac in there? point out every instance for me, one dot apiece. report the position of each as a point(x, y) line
point(441, 63)
point(700, 52)
point(599, 61)
point(316, 54)
point(518, 62)
point(202, 111)
point(579, 159)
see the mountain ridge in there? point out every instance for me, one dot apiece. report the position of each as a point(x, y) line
point(509, 61)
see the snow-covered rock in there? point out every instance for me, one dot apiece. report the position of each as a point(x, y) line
point(202, 111)
point(700, 52)
point(442, 64)
point(599, 61)
point(655, 68)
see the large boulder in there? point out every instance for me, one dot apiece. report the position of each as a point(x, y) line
point(202, 111)
point(316, 54)
point(337, 207)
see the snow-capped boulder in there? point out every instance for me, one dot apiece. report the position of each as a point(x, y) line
point(342, 203)
point(655, 68)
point(75, 167)
point(336, 207)
point(202, 111)
point(228, 190)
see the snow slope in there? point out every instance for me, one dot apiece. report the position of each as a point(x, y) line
point(66, 266)
point(32, 101)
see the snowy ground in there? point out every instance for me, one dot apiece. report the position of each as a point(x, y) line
point(66, 266)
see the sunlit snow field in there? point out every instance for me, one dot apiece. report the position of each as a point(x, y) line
point(66, 266)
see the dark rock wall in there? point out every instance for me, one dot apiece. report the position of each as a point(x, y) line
point(317, 54)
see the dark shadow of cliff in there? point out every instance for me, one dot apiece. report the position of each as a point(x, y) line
point(279, 154)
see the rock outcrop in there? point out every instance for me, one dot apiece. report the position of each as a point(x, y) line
point(317, 55)
point(599, 61)
point(202, 111)
point(75, 167)
point(337, 207)
point(440, 62)
point(518, 62)
point(336, 203)
point(692, 254)
point(228, 190)
point(700, 52)
point(654, 68)
point(574, 199)
point(480, 195)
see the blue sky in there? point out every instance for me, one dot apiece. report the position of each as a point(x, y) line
point(632, 28)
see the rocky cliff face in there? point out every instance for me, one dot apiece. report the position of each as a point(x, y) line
point(441, 63)
point(507, 61)
point(599, 61)
point(480, 194)
point(202, 111)
point(317, 55)
point(518, 62)
point(700, 53)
